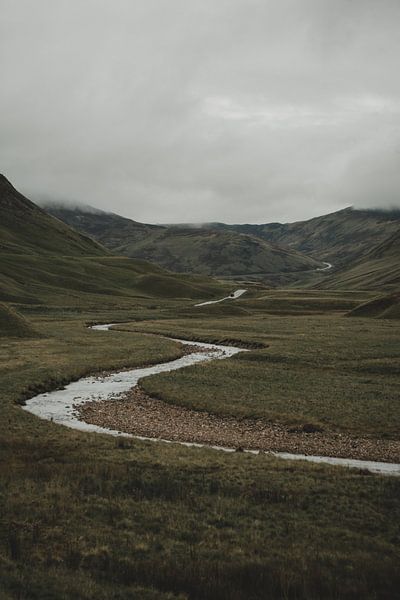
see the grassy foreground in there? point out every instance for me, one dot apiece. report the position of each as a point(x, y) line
point(86, 516)
point(336, 373)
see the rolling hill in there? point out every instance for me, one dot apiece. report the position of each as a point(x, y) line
point(280, 254)
point(27, 229)
point(43, 261)
point(183, 249)
point(340, 238)
point(113, 231)
point(363, 245)
point(384, 307)
point(12, 324)
point(378, 269)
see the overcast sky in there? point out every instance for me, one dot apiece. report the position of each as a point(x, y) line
point(202, 110)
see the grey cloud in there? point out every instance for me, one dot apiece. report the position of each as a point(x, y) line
point(233, 110)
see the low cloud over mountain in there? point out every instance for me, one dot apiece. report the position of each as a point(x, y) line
point(236, 110)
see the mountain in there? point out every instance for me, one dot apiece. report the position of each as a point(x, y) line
point(218, 253)
point(43, 261)
point(205, 251)
point(113, 231)
point(27, 229)
point(339, 238)
point(377, 269)
point(280, 252)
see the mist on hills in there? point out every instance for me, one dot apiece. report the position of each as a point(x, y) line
point(47, 201)
point(235, 111)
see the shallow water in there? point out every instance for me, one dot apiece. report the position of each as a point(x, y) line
point(326, 268)
point(233, 296)
point(58, 406)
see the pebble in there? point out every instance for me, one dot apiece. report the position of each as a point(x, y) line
point(138, 414)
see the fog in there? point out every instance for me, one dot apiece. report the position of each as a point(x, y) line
point(207, 110)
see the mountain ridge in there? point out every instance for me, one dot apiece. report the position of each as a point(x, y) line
point(363, 245)
point(25, 228)
point(187, 249)
point(339, 237)
point(44, 261)
point(379, 268)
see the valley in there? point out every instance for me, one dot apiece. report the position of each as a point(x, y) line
point(186, 249)
point(350, 249)
point(311, 370)
point(200, 300)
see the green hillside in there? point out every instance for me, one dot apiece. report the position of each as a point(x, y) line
point(88, 516)
point(27, 229)
point(362, 245)
point(281, 254)
point(111, 230)
point(187, 249)
point(384, 307)
point(42, 260)
point(340, 237)
point(12, 324)
point(218, 253)
point(379, 269)
point(65, 280)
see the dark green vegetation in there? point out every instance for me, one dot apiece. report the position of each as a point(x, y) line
point(27, 229)
point(87, 516)
point(186, 249)
point(13, 324)
point(378, 269)
point(339, 374)
point(363, 246)
point(218, 253)
point(42, 261)
point(340, 237)
point(111, 230)
point(97, 282)
point(384, 307)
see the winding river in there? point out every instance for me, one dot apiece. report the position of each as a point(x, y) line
point(59, 406)
point(327, 267)
point(232, 296)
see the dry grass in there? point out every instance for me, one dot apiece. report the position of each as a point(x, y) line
point(339, 373)
point(84, 516)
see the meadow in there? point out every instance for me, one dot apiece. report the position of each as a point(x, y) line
point(88, 516)
point(338, 373)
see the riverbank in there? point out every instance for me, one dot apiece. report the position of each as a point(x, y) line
point(88, 516)
point(136, 413)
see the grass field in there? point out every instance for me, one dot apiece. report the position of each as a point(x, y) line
point(14, 324)
point(87, 516)
point(94, 282)
point(335, 372)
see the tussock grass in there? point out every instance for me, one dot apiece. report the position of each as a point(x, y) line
point(13, 324)
point(81, 512)
point(341, 373)
point(383, 307)
point(87, 516)
point(90, 281)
